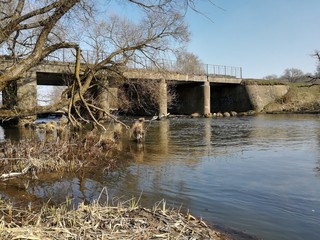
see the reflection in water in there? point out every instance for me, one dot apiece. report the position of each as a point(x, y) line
point(251, 173)
point(2, 135)
point(163, 136)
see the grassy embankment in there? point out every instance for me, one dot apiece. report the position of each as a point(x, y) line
point(300, 98)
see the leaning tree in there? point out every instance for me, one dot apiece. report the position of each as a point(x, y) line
point(316, 76)
point(32, 30)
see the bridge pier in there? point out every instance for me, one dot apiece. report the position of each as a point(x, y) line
point(163, 98)
point(27, 97)
point(103, 99)
point(22, 96)
point(206, 98)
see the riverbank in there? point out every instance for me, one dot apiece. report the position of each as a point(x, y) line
point(55, 153)
point(300, 98)
point(97, 221)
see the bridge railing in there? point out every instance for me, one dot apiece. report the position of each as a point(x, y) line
point(91, 57)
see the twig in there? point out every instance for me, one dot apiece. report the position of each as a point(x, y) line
point(12, 159)
point(16, 174)
point(109, 115)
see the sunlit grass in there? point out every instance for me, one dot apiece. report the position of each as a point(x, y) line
point(125, 220)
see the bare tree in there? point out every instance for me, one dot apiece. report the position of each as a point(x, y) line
point(271, 77)
point(27, 33)
point(188, 62)
point(33, 29)
point(316, 55)
point(293, 75)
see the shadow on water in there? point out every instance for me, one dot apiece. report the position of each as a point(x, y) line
point(257, 174)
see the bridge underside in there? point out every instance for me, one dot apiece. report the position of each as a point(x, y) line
point(224, 97)
point(229, 97)
point(53, 79)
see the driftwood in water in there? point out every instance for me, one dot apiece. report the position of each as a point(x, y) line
point(16, 174)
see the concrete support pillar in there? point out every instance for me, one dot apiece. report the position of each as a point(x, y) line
point(9, 96)
point(163, 98)
point(27, 92)
point(103, 98)
point(206, 98)
point(26, 97)
point(113, 98)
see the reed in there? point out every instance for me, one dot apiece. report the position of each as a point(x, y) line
point(32, 156)
point(98, 221)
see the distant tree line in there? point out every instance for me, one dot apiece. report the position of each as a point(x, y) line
point(295, 75)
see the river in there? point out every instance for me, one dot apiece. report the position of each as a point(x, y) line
point(258, 174)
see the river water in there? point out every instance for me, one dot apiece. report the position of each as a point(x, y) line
point(258, 174)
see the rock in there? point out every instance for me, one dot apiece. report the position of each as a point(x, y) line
point(233, 113)
point(226, 114)
point(208, 115)
point(194, 115)
point(219, 114)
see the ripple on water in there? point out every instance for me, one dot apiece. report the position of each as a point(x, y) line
point(255, 174)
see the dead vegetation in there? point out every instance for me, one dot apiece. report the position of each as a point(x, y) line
point(97, 221)
point(66, 154)
point(301, 98)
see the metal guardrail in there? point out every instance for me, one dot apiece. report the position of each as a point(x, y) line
point(91, 57)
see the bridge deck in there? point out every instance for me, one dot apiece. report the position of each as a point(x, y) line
point(52, 73)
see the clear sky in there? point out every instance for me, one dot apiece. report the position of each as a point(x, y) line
point(262, 36)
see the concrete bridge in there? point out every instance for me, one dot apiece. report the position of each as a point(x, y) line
point(213, 88)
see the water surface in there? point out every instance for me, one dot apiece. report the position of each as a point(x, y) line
point(258, 174)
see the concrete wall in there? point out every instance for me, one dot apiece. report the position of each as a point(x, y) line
point(262, 95)
point(113, 98)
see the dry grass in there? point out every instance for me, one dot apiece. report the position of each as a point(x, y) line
point(96, 221)
point(262, 82)
point(35, 156)
point(300, 98)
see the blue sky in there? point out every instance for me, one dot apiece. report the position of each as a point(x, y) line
point(262, 36)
